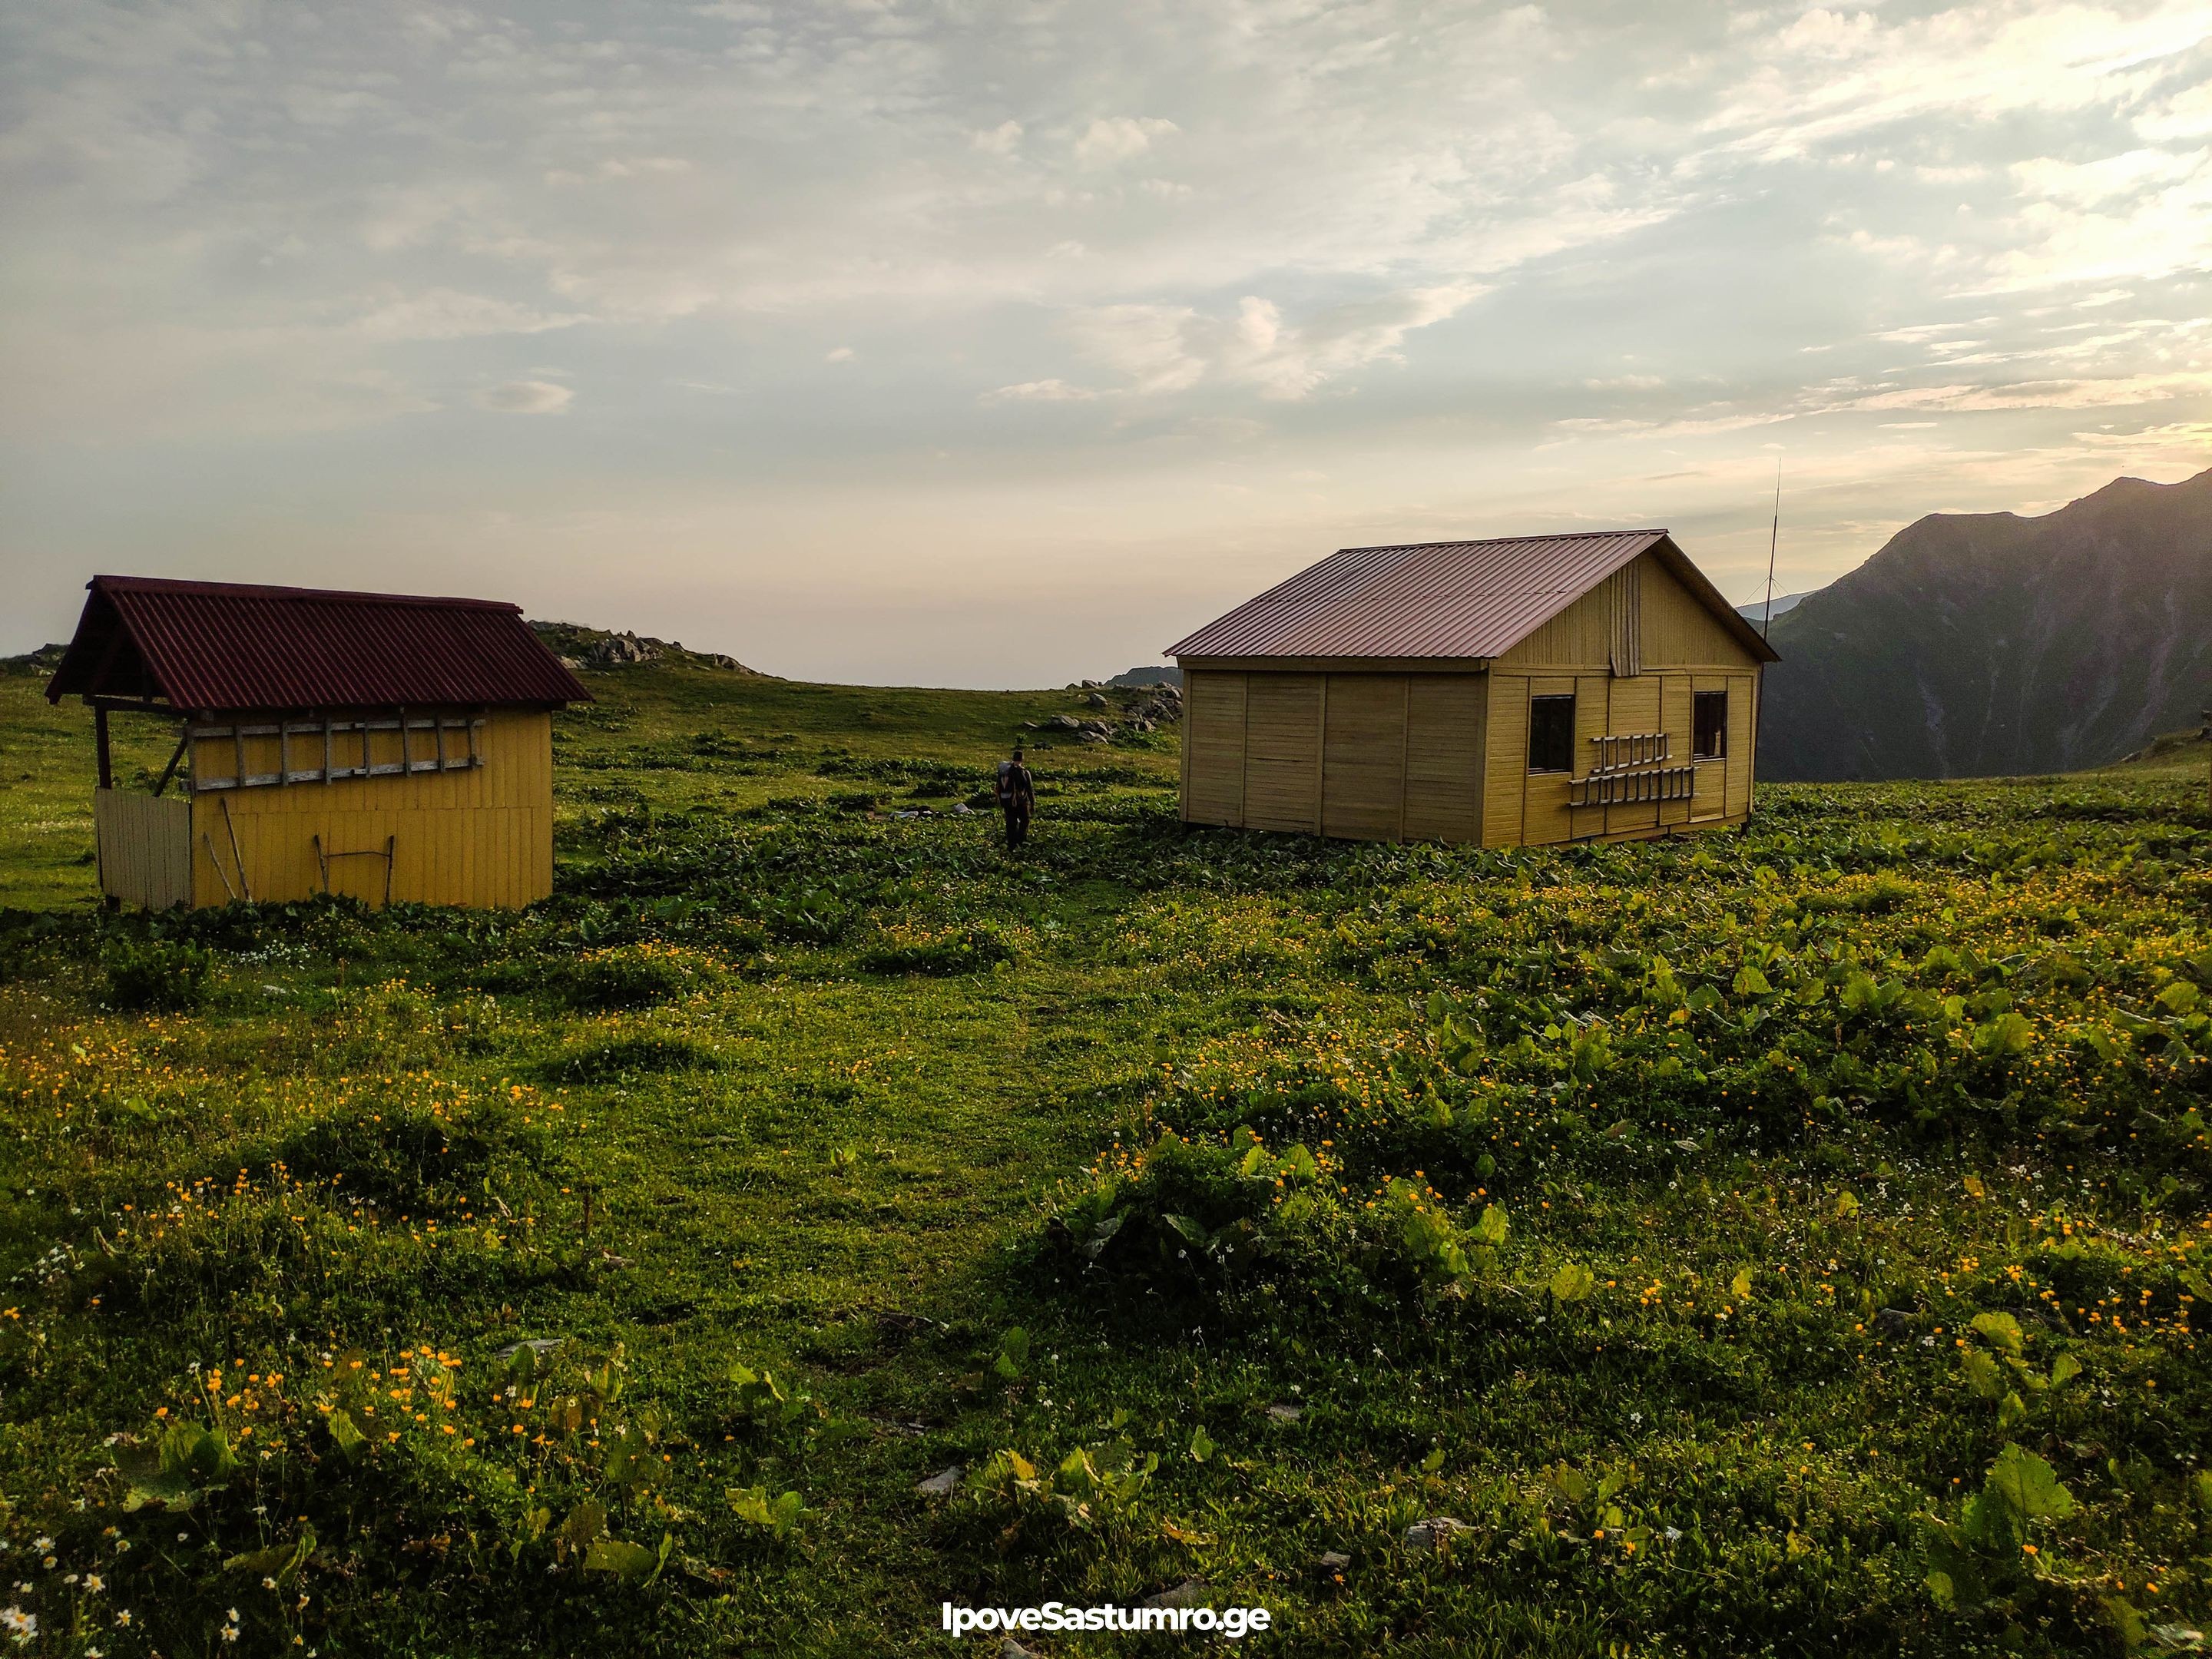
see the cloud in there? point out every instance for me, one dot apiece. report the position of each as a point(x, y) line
point(1041, 392)
point(1157, 349)
point(2108, 393)
point(1115, 138)
point(1001, 140)
point(838, 355)
point(526, 397)
point(444, 313)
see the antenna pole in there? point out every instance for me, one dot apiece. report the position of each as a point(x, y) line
point(1773, 541)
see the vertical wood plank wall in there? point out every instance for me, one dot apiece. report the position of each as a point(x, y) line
point(1446, 741)
point(144, 844)
point(1214, 747)
point(1398, 755)
point(480, 836)
point(1282, 751)
point(1364, 757)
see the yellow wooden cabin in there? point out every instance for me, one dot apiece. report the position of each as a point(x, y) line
point(385, 747)
point(1529, 690)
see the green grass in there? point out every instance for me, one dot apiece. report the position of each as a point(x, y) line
point(1631, 1207)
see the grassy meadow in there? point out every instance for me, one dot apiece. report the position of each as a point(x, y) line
point(1788, 1242)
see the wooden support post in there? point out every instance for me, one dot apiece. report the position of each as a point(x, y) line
point(170, 770)
point(236, 857)
point(326, 772)
point(208, 842)
point(100, 742)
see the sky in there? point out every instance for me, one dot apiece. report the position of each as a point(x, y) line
point(941, 342)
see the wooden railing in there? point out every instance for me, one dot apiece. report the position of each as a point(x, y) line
point(1632, 767)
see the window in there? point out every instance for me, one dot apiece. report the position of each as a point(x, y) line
point(1709, 725)
point(1551, 734)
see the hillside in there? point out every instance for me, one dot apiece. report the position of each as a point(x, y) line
point(1987, 644)
point(812, 1213)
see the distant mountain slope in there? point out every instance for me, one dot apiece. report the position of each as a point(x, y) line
point(1982, 644)
point(1784, 604)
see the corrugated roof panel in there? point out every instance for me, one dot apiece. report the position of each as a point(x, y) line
point(236, 647)
point(1445, 599)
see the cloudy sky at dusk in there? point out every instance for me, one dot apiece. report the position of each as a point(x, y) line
point(958, 342)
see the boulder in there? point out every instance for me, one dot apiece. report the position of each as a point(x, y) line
point(621, 651)
point(1433, 1534)
point(1191, 1593)
point(943, 1484)
point(1334, 1560)
point(1097, 700)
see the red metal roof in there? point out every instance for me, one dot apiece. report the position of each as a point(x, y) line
point(233, 646)
point(1441, 600)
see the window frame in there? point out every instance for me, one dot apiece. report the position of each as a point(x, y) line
point(1554, 698)
point(1719, 750)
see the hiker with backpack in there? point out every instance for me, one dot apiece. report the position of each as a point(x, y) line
point(1016, 793)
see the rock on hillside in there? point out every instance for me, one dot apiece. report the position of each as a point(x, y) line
point(583, 647)
point(42, 661)
point(1984, 644)
point(1142, 677)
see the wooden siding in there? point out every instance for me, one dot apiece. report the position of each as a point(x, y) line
point(1506, 774)
point(1676, 630)
point(1741, 694)
point(1282, 751)
point(1363, 757)
point(1674, 720)
point(1214, 747)
point(1679, 632)
point(1444, 753)
point(1525, 808)
point(482, 836)
point(1592, 695)
point(1712, 798)
point(1624, 612)
point(1632, 708)
point(144, 844)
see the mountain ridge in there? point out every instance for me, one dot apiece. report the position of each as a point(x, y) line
point(1988, 643)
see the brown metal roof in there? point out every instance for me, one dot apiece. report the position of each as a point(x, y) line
point(234, 646)
point(1441, 600)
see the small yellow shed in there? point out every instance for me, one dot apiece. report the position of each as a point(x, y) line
point(387, 747)
point(1534, 690)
